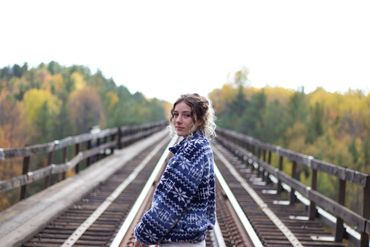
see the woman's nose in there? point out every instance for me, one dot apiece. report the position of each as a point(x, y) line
point(178, 118)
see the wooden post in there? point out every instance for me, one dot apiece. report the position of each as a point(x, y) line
point(268, 180)
point(77, 150)
point(25, 169)
point(49, 160)
point(281, 167)
point(339, 228)
point(64, 158)
point(105, 140)
point(246, 146)
point(112, 148)
point(88, 160)
point(269, 157)
point(262, 169)
point(292, 196)
point(258, 158)
point(364, 240)
point(312, 212)
point(98, 155)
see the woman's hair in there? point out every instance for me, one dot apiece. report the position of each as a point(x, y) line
point(202, 113)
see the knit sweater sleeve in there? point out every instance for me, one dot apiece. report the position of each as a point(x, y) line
point(176, 189)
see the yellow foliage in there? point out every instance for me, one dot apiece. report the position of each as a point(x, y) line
point(58, 82)
point(296, 136)
point(46, 83)
point(366, 114)
point(86, 109)
point(353, 102)
point(113, 99)
point(328, 100)
point(44, 76)
point(167, 109)
point(33, 101)
point(273, 94)
point(4, 142)
point(48, 80)
point(12, 131)
point(223, 96)
point(78, 79)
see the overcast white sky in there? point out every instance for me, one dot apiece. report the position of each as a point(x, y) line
point(164, 48)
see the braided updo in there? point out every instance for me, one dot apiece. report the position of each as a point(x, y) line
point(202, 113)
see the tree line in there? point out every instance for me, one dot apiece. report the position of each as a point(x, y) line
point(52, 101)
point(334, 127)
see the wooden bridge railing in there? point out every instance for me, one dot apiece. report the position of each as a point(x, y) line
point(95, 145)
point(259, 154)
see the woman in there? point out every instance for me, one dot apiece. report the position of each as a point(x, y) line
point(183, 206)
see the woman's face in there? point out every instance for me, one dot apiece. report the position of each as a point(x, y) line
point(182, 119)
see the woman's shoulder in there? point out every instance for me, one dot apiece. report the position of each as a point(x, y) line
point(196, 141)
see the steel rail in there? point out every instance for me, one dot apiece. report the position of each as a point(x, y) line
point(234, 202)
point(264, 207)
point(218, 240)
point(75, 236)
point(140, 200)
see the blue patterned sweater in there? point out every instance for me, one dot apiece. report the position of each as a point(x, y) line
point(184, 202)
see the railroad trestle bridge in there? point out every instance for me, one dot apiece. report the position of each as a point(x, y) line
point(93, 188)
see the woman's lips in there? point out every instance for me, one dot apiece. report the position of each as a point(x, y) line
point(179, 128)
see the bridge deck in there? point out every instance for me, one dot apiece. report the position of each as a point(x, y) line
point(51, 217)
point(26, 218)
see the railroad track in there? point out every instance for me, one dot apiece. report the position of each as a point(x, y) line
point(249, 212)
point(94, 220)
point(276, 222)
point(228, 231)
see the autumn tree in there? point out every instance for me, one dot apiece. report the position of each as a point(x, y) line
point(40, 109)
point(86, 109)
point(315, 123)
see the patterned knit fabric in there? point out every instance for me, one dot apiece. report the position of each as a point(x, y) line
point(183, 205)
